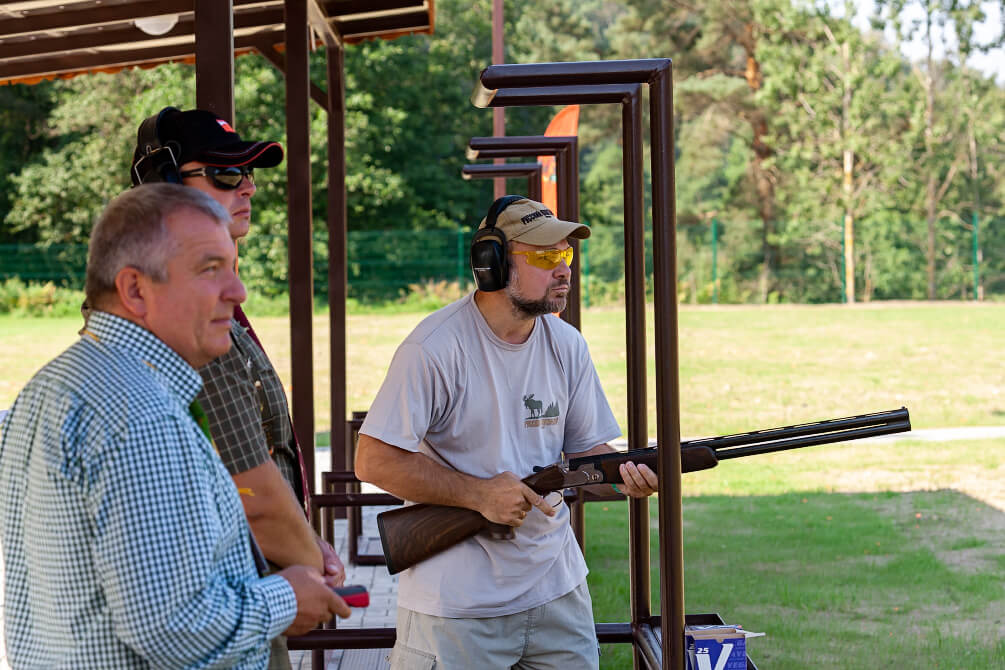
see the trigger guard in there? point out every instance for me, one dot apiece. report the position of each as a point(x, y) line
point(500, 531)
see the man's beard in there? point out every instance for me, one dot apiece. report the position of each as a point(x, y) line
point(529, 309)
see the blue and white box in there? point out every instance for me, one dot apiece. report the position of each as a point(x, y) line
point(717, 647)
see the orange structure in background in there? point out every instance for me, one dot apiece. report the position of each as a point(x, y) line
point(565, 124)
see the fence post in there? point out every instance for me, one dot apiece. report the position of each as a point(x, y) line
point(584, 287)
point(715, 260)
point(844, 281)
point(460, 257)
point(977, 261)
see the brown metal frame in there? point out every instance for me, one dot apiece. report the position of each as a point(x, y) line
point(532, 171)
point(627, 95)
point(619, 82)
point(346, 479)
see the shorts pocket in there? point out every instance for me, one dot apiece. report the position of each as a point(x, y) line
point(406, 658)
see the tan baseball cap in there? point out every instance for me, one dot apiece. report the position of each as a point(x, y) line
point(532, 223)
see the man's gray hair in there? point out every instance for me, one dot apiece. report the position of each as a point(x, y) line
point(131, 232)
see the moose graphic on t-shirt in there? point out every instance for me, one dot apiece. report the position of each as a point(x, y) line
point(535, 406)
point(537, 410)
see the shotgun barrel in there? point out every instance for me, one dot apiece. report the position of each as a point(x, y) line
point(411, 534)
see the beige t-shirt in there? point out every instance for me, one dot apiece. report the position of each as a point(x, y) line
point(482, 406)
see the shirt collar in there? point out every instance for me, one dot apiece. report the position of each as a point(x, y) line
point(116, 332)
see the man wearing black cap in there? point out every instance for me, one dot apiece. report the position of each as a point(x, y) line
point(242, 395)
point(478, 394)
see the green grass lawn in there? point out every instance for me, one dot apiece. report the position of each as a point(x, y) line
point(836, 580)
point(848, 556)
point(741, 367)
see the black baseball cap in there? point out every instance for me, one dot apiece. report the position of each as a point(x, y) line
point(200, 135)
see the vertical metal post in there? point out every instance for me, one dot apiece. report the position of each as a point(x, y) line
point(298, 176)
point(635, 346)
point(337, 261)
point(214, 57)
point(460, 257)
point(715, 260)
point(667, 367)
point(977, 259)
point(499, 113)
point(534, 186)
point(567, 163)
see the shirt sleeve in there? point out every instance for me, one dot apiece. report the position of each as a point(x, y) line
point(411, 399)
point(590, 420)
point(234, 409)
point(172, 551)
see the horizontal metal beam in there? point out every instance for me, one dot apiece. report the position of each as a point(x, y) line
point(640, 71)
point(506, 170)
point(127, 33)
point(65, 19)
point(76, 62)
point(345, 638)
point(356, 28)
point(336, 8)
point(525, 145)
point(384, 638)
point(591, 94)
point(76, 16)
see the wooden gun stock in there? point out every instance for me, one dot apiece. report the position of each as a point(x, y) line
point(414, 533)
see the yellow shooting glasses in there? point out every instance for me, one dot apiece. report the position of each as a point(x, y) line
point(547, 259)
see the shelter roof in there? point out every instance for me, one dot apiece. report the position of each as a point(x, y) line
point(45, 39)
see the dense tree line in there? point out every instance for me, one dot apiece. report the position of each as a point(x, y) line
point(792, 125)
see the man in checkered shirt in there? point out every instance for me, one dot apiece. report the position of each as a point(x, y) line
point(242, 394)
point(123, 536)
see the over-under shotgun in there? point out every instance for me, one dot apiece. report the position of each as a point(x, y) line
point(414, 533)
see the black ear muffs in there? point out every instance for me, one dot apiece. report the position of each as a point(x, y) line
point(489, 260)
point(152, 160)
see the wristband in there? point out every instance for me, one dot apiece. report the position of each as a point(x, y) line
point(615, 487)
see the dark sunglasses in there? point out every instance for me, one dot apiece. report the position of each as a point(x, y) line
point(224, 178)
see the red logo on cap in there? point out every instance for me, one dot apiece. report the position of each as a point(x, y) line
point(225, 126)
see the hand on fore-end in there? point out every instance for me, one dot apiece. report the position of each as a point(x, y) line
point(316, 602)
point(639, 481)
point(507, 500)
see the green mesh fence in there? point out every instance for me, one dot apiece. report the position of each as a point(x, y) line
point(721, 264)
point(58, 263)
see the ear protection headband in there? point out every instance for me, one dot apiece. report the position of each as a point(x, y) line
point(154, 161)
point(489, 260)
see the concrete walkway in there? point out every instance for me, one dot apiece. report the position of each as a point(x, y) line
point(383, 600)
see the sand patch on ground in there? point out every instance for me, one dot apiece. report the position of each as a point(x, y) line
point(979, 482)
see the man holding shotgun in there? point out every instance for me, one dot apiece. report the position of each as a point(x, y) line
point(482, 391)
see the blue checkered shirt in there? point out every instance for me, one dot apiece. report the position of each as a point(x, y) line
point(124, 539)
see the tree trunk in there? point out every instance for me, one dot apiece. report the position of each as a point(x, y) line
point(849, 160)
point(931, 186)
point(762, 179)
